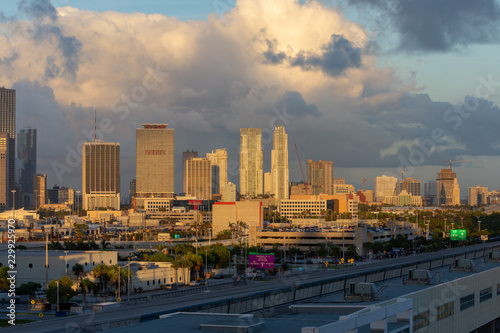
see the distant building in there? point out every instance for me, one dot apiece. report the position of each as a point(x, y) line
point(297, 188)
point(186, 155)
point(251, 162)
point(26, 153)
point(279, 164)
point(154, 172)
point(410, 185)
point(268, 183)
point(199, 178)
point(343, 189)
point(338, 181)
point(8, 125)
point(101, 175)
point(478, 196)
point(430, 193)
point(448, 190)
point(403, 199)
point(320, 177)
point(385, 186)
point(229, 192)
point(132, 191)
point(39, 190)
point(218, 161)
point(225, 214)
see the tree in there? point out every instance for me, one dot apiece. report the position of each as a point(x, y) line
point(29, 288)
point(77, 269)
point(101, 271)
point(87, 286)
point(196, 261)
point(66, 291)
point(4, 283)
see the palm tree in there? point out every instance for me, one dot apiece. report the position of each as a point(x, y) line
point(86, 285)
point(196, 261)
point(175, 265)
point(100, 271)
point(77, 269)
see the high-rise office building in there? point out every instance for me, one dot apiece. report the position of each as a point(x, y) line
point(448, 190)
point(319, 177)
point(199, 178)
point(279, 164)
point(268, 183)
point(101, 175)
point(39, 190)
point(4, 170)
point(385, 187)
point(218, 160)
point(251, 162)
point(8, 125)
point(186, 155)
point(154, 171)
point(478, 195)
point(430, 193)
point(132, 191)
point(412, 186)
point(26, 153)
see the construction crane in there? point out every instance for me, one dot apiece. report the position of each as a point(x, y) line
point(301, 171)
point(403, 174)
point(364, 181)
point(452, 162)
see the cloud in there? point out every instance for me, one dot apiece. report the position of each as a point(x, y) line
point(438, 26)
point(263, 64)
point(336, 57)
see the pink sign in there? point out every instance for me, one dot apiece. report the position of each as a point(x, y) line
point(264, 261)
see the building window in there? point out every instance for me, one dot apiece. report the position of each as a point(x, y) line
point(421, 320)
point(445, 310)
point(466, 302)
point(498, 289)
point(485, 294)
point(30, 265)
point(147, 283)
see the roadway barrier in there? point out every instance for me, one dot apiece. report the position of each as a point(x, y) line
point(300, 291)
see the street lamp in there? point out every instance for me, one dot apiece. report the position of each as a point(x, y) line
point(66, 257)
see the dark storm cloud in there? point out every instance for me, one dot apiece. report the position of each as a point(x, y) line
point(338, 55)
point(295, 105)
point(45, 27)
point(439, 26)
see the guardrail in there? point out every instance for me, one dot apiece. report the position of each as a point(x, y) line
point(300, 291)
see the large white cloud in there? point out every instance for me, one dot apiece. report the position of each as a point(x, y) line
point(209, 78)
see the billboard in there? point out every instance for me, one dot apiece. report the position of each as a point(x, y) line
point(261, 260)
point(458, 234)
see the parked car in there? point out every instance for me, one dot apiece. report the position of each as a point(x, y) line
point(219, 276)
point(194, 283)
point(171, 287)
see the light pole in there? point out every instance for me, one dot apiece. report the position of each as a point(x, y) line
point(57, 282)
point(206, 265)
point(78, 203)
point(128, 280)
point(66, 258)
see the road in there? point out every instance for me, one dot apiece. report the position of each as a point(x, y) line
point(125, 313)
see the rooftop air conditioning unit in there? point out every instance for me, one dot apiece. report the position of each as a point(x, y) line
point(419, 275)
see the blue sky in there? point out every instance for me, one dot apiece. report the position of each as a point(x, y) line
point(410, 66)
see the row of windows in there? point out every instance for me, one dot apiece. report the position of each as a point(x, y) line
point(421, 320)
point(466, 302)
point(445, 310)
point(486, 294)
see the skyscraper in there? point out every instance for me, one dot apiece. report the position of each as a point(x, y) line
point(39, 190)
point(4, 170)
point(478, 195)
point(385, 187)
point(199, 178)
point(319, 177)
point(154, 162)
point(218, 160)
point(26, 152)
point(279, 164)
point(8, 125)
point(101, 175)
point(410, 185)
point(186, 155)
point(448, 190)
point(251, 163)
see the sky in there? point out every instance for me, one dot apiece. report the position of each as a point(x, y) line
point(377, 87)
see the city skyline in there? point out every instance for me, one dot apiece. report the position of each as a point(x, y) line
point(349, 80)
